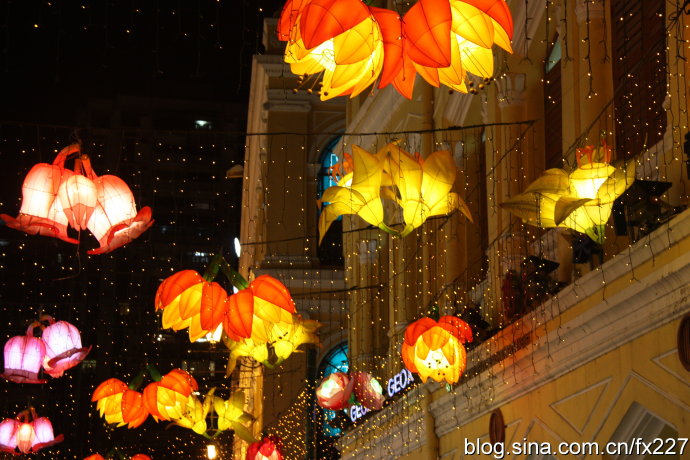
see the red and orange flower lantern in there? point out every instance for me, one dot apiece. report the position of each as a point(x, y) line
point(435, 348)
point(119, 404)
point(334, 391)
point(368, 391)
point(167, 398)
point(266, 449)
point(54, 197)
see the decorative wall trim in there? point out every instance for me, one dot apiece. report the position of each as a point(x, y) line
point(659, 298)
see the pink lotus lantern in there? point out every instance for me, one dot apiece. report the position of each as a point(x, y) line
point(25, 435)
point(54, 196)
point(8, 434)
point(63, 347)
point(23, 358)
point(41, 212)
point(334, 391)
point(368, 390)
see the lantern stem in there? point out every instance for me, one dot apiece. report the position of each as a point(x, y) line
point(154, 372)
point(138, 380)
point(218, 263)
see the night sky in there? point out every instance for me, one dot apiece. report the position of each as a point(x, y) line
point(56, 54)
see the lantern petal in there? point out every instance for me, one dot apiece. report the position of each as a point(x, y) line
point(271, 290)
point(392, 34)
point(498, 11)
point(427, 26)
point(175, 285)
point(404, 80)
point(213, 306)
point(23, 358)
point(288, 18)
point(472, 24)
point(240, 314)
point(322, 20)
point(125, 232)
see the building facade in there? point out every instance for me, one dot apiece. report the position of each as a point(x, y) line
point(574, 341)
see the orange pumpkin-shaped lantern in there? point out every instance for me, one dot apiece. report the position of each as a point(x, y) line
point(119, 404)
point(41, 212)
point(435, 349)
point(368, 391)
point(167, 398)
point(95, 457)
point(266, 449)
point(334, 391)
point(259, 312)
point(189, 301)
point(141, 457)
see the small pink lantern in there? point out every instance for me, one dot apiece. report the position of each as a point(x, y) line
point(23, 358)
point(27, 432)
point(63, 347)
point(8, 434)
point(334, 391)
point(44, 436)
point(368, 391)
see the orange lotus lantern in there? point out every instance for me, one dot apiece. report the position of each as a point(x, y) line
point(119, 404)
point(334, 391)
point(24, 355)
point(95, 457)
point(140, 457)
point(266, 449)
point(134, 457)
point(435, 349)
point(259, 311)
point(189, 301)
point(54, 196)
point(63, 347)
point(27, 433)
point(167, 398)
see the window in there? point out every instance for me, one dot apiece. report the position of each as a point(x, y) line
point(330, 251)
point(639, 74)
point(553, 117)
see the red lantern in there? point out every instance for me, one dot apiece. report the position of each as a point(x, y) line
point(267, 449)
point(63, 347)
point(368, 390)
point(334, 391)
point(167, 398)
point(95, 457)
point(24, 356)
point(435, 349)
point(140, 457)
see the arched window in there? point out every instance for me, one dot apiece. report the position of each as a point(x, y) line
point(330, 250)
point(328, 429)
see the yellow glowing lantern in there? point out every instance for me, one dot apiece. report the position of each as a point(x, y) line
point(421, 188)
point(435, 349)
point(582, 200)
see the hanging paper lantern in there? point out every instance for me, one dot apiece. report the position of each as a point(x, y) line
point(435, 349)
point(118, 404)
point(24, 356)
point(63, 348)
point(267, 449)
point(141, 457)
point(581, 200)
point(167, 398)
point(368, 391)
point(134, 457)
point(41, 212)
point(115, 220)
point(27, 433)
point(334, 391)
point(189, 301)
point(8, 434)
point(261, 312)
point(339, 38)
point(55, 196)
point(95, 457)
point(420, 187)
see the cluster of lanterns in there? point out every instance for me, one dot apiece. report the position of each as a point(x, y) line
point(54, 197)
point(170, 397)
point(27, 433)
point(436, 348)
point(59, 348)
point(340, 390)
point(354, 44)
point(581, 200)
point(259, 320)
point(420, 187)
